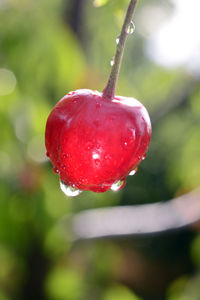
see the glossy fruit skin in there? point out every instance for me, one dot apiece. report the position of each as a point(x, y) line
point(93, 142)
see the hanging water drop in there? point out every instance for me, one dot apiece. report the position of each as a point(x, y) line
point(112, 61)
point(133, 172)
point(117, 39)
point(131, 28)
point(69, 191)
point(118, 185)
point(144, 156)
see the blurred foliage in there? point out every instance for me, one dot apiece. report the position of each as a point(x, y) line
point(42, 57)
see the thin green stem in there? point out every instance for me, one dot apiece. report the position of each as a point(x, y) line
point(109, 91)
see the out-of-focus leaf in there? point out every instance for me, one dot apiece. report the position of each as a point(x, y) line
point(184, 289)
point(195, 253)
point(64, 284)
point(98, 3)
point(119, 292)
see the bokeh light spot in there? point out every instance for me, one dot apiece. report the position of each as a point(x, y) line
point(7, 82)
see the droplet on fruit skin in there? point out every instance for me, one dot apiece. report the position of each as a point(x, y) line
point(131, 28)
point(144, 156)
point(56, 171)
point(133, 172)
point(71, 93)
point(118, 185)
point(141, 157)
point(83, 180)
point(69, 191)
point(89, 145)
point(96, 158)
point(124, 145)
point(95, 155)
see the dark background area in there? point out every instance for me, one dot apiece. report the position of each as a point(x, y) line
point(48, 48)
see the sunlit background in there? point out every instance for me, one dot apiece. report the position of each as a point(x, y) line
point(48, 48)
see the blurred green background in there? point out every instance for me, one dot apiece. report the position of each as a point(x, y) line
point(48, 48)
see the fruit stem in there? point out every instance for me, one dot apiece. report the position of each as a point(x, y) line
point(109, 91)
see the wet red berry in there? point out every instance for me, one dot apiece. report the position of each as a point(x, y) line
point(94, 142)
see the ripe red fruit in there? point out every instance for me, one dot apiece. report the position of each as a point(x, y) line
point(94, 142)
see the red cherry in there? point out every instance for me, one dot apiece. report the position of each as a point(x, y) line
point(93, 142)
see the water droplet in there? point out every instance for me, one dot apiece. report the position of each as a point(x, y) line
point(118, 185)
point(133, 172)
point(89, 145)
point(56, 171)
point(125, 144)
point(95, 155)
point(83, 180)
point(64, 156)
point(69, 191)
point(117, 39)
point(63, 167)
point(131, 28)
point(96, 158)
point(112, 62)
point(144, 156)
point(71, 93)
point(47, 154)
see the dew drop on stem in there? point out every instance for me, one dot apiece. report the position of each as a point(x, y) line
point(112, 61)
point(117, 39)
point(131, 28)
point(69, 191)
